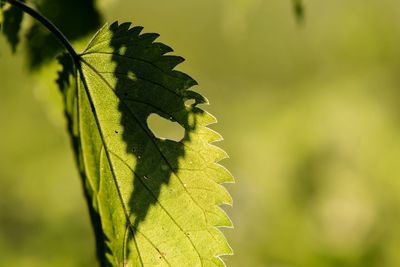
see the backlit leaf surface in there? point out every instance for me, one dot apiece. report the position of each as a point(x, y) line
point(153, 202)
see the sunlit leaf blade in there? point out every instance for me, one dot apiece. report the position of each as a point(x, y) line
point(12, 19)
point(156, 202)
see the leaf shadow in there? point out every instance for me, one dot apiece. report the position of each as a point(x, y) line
point(12, 25)
point(147, 83)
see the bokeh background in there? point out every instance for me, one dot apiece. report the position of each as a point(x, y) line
point(309, 112)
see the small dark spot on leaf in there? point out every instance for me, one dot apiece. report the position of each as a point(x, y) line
point(116, 131)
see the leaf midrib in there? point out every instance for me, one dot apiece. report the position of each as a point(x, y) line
point(158, 149)
point(114, 176)
point(79, 70)
point(151, 136)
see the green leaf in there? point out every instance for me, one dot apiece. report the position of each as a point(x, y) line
point(153, 202)
point(12, 18)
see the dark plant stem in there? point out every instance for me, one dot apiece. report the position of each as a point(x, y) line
point(48, 24)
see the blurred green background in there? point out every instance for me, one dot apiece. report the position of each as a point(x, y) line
point(310, 115)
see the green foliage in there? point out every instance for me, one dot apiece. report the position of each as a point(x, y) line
point(86, 19)
point(153, 202)
point(75, 18)
point(11, 20)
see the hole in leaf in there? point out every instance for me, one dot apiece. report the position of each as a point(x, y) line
point(131, 76)
point(122, 50)
point(190, 102)
point(165, 129)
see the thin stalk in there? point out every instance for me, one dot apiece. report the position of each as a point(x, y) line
point(48, 24)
